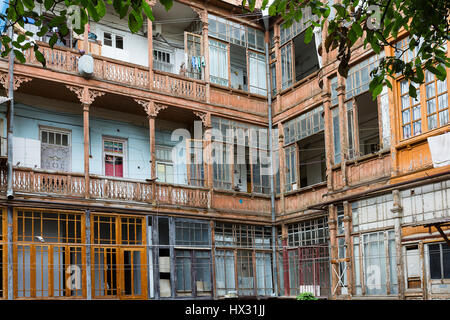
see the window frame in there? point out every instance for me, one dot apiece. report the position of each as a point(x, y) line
point(124, 154)
point(399, 78)
point(56, 130)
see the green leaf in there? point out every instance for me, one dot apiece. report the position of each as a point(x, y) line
point(19, 55)
point(53, 40)
point(340, 10)
point(356, 27)
point(264, 4)
point(21, 38)
point(40, 57)
point(308, 35)
point(167, 4)
point(42, 32)
point(412, 91)
point(101, 8)
point(48, 4)
point(148, 11)
point(29, 4)
point(135, 21)
point(272, 10)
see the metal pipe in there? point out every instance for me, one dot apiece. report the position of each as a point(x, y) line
point(272, 189)
point(9, 189)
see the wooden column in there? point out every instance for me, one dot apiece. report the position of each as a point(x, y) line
point(10, 258)
point(284, 238)
point(150, 47)
point(204, 17)
point(87, 216)
point(329, 147)
point(151, 126)
point(282, 166)
point(397, 213)
point(86, 38)
point(86, 97)
point(342, 127)
point(86, 149)
point(332, 225)
point(349, 246)
point(278, 73)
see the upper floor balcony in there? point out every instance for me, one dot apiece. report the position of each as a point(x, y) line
point(176, 55)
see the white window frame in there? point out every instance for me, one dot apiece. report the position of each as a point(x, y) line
point(60, 131)
point(114, 39)
point(166, 163)
point(125, 154)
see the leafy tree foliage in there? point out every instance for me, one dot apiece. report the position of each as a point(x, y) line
point(378, 23)
point(21, 12)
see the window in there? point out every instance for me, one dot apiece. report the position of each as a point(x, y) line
point(333, 85)
point(258, 70)
point(379, 267)
point(439, 259)
point(162, 61)
point(410, 110)
point(240, 156)
point(430, 109)
point(55, 149)
point(107, 39)
point(237, 261)
point(114, 157)
point(192, 234)
point(164, 164)
point(47, 244)
point(336, 135)
point(436, 101)
point(192, 258)
point(308, 233)
point(246, 67)
point(363, 132)
point(118, 252)
point(286, 66)
point(297, 27)
point(235, 33)
point(218, 61)
point(112, 40)
point(306, 137)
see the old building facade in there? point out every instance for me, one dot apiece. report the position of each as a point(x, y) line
point(151, 178)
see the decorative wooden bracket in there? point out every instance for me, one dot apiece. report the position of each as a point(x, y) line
point(84, 94)
point(18, 80)
point(151, 108)
point(205, 117)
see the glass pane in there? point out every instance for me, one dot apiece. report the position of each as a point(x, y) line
point(435, 261)
point(44, 137)
point(430, 89)
point(443, 101)
point(431, 106)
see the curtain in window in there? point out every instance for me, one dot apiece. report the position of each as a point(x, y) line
point(257, 73)
point(225, 277)
point(218, 66)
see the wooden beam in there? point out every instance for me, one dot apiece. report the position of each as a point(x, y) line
point(87, 240)
point(438, 227)
point(86, 149)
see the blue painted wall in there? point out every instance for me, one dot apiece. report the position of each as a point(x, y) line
point(28, 119)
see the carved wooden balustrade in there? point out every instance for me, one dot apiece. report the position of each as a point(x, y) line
point(66, 60)
point(36, 181)
point(26, 180)
point(180, 86)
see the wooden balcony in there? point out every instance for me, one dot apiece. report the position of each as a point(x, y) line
point(63, 59)
point(72, 185)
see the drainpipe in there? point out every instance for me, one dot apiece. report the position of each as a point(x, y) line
point(9, 189)
point(272, 189)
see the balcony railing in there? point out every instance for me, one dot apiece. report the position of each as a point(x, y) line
point(26, 180)
point(66, 60)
